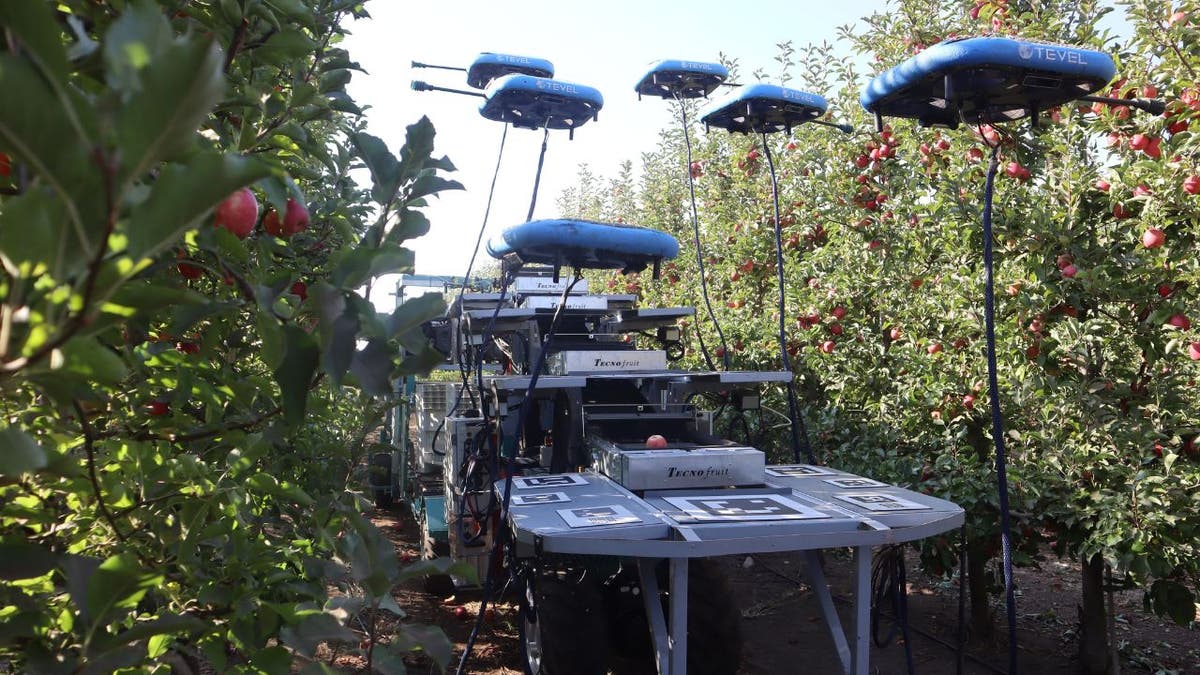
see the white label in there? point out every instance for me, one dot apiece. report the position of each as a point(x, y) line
point(554, 480)
point(798, 471)
point(855, 482)
point(880, 502)
point(743, 507)
point(597, 516)
point(540, 498)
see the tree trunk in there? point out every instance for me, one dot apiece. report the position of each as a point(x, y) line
point(977, 585)
point(1093, 621)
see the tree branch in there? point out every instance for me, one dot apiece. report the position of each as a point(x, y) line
point(89, 447)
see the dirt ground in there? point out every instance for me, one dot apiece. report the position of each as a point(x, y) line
point(783, 631)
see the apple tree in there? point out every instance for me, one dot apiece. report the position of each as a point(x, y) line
point(1096, 220)
point(189, 371)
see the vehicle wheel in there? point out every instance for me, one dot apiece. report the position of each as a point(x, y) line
point(714, 622)
point(383, 499)
point(439, 585)
point(563, 629)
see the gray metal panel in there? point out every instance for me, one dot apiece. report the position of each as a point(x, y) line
point(545, 520)
point(521, 382)
point(641, 319)
point(817, 488)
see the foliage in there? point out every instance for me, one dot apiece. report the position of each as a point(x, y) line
point(1097, 378)
point(185, 410)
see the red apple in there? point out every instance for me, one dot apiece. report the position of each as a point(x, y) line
point(895, 334)
point(237, 213)
point(1069, 272)
point(300, 289)
point(158, 408)
point(1165, 290)
point(190, 271)
point(1180, 321)
point(1153, 237)
point(752, 155)
point(1142, 191)
point(696, 169)
point(656, 442)
point(1191, 185)
point(187, 347)
point(1194, 351)
point(828, 346)
point(462, 613)
point(1139, 141)
point(5, 165)
point(835, 328)
point(934, 348)
point(969, 401)
point(839, 312)
point(1120, 212)
point(295, 220)
point(1102, 185)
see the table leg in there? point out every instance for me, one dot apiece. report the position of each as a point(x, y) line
point(679, 612)
point(816, 578)
point(862, 609)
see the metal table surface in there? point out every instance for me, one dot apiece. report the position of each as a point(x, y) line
point(798, 508)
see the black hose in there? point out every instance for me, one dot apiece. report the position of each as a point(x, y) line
point(799, 432)
point(700, 269)
point(989, 312)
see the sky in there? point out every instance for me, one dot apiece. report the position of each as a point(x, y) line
point(607, 45)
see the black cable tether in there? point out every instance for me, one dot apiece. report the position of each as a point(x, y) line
point(537, 179)
point(890, 587)
point(500, 542)
point(687, 139)
point(962, 599)
point(487, 211)
point(989, 313)
point(799, 432)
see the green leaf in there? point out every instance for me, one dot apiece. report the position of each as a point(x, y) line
point(178, 90)
point(35, 231)
point(1173, 599)
point(118, 583)
point(312, 630)
point(22, 560)
point(166, 624)
point(272, 660)
point(412, 224)
point(356, 266)
point(52, 135)
point(147, 295)
point(295, 373)
point(415, 312)
point(372, 367)
point(384, 168)
point(94, 361)
point(183, 195)
point(418, 146)
point(33, 24)
point(287, 44)
point(271, 334)
point(430, 184)
point(138, 38)
point(430, 639)
point(19, 453)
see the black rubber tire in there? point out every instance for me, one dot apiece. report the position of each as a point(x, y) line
point(569, 634)
point(714, 623)
point(439, 585)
